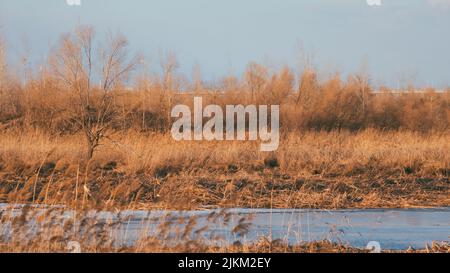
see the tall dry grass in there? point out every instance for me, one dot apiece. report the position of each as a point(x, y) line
point(309, 153)
point(314, 169)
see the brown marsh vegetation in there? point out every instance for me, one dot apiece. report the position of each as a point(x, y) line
point(91, 129)
point(310, 170)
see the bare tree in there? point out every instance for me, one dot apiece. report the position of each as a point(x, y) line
point(363, 83)
point(2, 64)
point(2, 73)
point(197, 79)
point(280, 86)
point(77, 63)
point(308, 86)
point(256, 76)
point(169, 65)
point(363, 91)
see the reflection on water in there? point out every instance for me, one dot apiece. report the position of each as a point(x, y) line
point(395, 229)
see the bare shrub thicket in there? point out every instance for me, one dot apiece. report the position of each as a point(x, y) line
point(65, 97)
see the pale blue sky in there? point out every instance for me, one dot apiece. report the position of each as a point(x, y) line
point(400, 40)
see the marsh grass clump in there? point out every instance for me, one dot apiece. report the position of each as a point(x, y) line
point(271, 162)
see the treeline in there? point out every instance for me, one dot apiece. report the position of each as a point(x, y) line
point(334, 104)
point(54, 98)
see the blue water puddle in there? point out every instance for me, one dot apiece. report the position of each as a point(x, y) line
point(395, 229)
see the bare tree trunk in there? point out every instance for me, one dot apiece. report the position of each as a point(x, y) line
point(90, 146)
